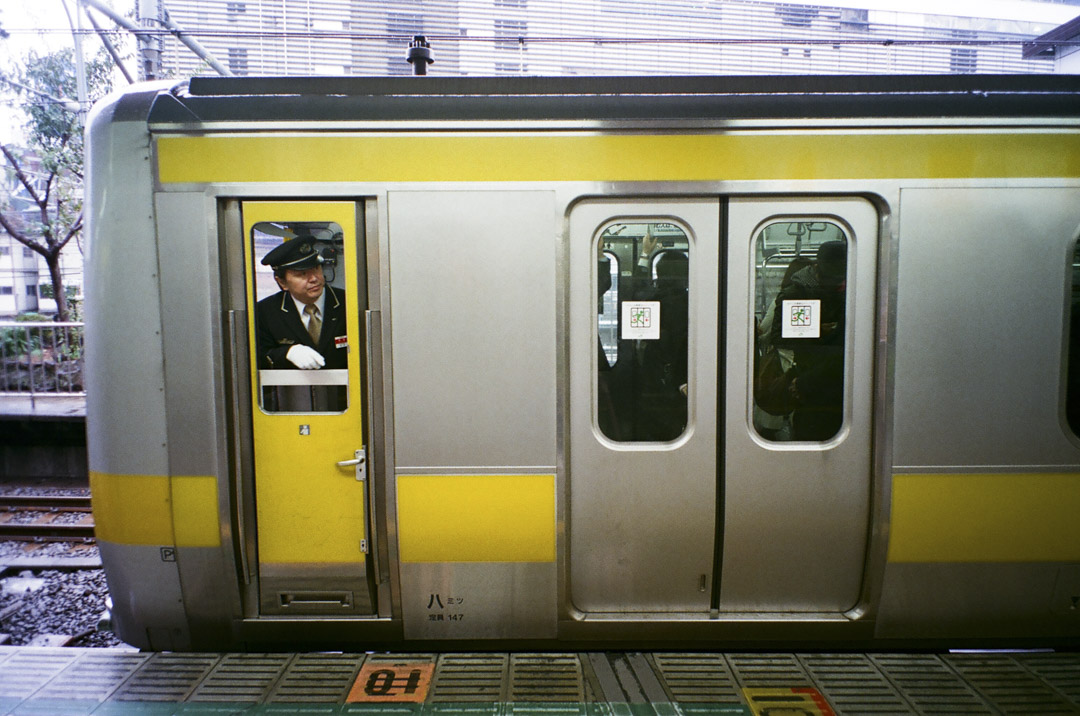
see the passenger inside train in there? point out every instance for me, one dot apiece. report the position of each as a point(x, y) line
point(818, 384)
point(774, 399)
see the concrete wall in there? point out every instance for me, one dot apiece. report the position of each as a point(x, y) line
point(35, 449)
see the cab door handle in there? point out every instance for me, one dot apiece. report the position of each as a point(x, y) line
point(360, 462)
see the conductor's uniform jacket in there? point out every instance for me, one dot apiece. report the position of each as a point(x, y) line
point(281, 327)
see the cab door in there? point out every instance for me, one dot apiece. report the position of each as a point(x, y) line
point(310, 455)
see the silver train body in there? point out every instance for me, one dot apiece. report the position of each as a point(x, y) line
point(552, 426)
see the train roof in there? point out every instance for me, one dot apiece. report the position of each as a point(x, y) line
point(392, 99)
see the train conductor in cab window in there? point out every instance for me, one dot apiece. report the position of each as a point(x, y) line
point(303, 325)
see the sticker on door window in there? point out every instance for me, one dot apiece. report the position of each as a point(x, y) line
point(802, 319)
point(641, 320)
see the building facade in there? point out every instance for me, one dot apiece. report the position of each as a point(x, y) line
point(25, 286)
point(597, 37)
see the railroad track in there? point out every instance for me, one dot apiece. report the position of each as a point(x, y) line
point(46, 518)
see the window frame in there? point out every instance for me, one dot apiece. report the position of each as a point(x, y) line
point(756, 412)
point(686, 237)
point(261, 271)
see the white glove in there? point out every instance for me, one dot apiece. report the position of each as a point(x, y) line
point(305, 358)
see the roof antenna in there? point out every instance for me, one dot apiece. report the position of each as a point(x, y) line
point(419, 55)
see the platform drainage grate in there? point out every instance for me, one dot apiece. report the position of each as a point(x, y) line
point(853, 685)
point(317, 678)
point(698, 678)
point(1008, 686)
point(547, 678)
point(929, 685)
point(167, 678)
point(241, 678)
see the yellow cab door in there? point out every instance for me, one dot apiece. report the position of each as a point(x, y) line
point(310, 460)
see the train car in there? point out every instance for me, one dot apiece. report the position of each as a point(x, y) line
point(599, 362)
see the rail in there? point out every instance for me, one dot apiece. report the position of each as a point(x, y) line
point(39, 358)
point(47, 518)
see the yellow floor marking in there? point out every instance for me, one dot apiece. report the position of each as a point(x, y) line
point(798, 701)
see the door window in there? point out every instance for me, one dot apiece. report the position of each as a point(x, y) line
point(800, 291)
point(302, 345)
point(642, 327)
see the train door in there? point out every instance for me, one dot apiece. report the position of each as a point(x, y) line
point(797, 394)
point(690, 491)
point(643, 405)
point(310, 455)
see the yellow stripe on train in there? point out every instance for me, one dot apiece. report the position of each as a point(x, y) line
point(1028, 517)
point(953, 517)
point(476, 518)
point(684, 157)
point(181, 510)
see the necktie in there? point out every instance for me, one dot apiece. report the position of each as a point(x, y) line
point(314, 325)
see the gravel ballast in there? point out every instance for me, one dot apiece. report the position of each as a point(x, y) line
point(36, 601)
point(54, 601)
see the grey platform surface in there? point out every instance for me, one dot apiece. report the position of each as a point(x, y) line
point(44, 407)
point(58, 681)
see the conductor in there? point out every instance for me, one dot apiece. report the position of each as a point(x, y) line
point(303, 325)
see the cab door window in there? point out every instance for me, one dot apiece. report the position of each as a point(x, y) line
point(642, 329)
point(302, 347)
point(800, 294)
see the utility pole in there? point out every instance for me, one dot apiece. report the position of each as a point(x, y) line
point(149, 34)
point(80, 63)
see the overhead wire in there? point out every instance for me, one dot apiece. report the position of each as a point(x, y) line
point(540, 39)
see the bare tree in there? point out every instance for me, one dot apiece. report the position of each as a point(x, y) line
point(47, 170)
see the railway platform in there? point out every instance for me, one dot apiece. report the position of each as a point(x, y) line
point(43, 407)
point(59, 681)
